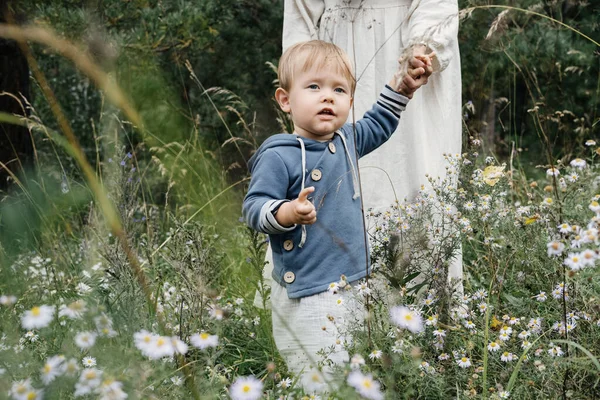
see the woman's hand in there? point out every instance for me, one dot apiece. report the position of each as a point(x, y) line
point(418, 71)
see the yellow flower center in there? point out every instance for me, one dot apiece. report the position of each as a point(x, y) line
point(47, 368)
point(246, 388)
point(90, 375)
point(21, 389)
point(160, 342)
point(31, 396)
point(204, 335)
point(464, 359)
point(35, 311)
point(408, 317)
point(147, 339)
point(367, 383)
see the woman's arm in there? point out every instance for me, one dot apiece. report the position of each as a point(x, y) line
point(434, 23)
point(301, 20)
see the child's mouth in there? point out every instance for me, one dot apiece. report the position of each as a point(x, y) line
point(326, 111)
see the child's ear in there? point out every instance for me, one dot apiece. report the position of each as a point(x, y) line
point(283, 98)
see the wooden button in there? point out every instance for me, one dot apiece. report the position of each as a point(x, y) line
point(288, 245)
point(289, 277)
point(316, 175)
point(332, 147)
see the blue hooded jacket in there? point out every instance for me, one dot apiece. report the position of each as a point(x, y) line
point(307, 258)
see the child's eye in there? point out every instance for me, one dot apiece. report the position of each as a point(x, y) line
point(313, 86)
point(340, 90)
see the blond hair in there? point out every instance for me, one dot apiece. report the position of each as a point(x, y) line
point(304, 56)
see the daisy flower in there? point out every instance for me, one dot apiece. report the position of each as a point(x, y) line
point(333, 287)
point(32, 394)
point(111, 390)
point(363, 288)
point(216, 313)
point(108, 332)
point(493, 346)
point(89, 380)
point(524, 334)
point(464, 362)
point(285, 383)
point(503, 394)
point(506, 329)
point(504, 336)
point(37, 317)
point(469, 205)
point(85, 340)
point(440, 333)
point(160, 347)
point(204, 340)
point(179, 346)
point(19, 389)
point(52, 369)
point(6, 300)
point(482, 307)
point(444, 356)
point(578, 163)
point(552, 172)
point(555, 351)
point(88, 362)
point(406, 318)
point(75, 310)
point(313, 381)
point(70, 367)
point(356, 361)
point(547, 202)
point(590, 142)
point(573, 261)
point(594, 206)
point(143, 340)
point(525, 344)
point(507, 357)
point(573, 177)
point(365, 385)
point(555, 248)
point(432, 320)
point(375, 354)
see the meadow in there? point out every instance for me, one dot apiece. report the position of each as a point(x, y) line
point(126, 271)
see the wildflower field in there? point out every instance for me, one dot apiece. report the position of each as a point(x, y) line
point(126, 272)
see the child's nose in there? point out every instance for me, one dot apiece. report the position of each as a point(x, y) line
point(327, 96)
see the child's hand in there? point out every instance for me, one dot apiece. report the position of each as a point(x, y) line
point(298, 211)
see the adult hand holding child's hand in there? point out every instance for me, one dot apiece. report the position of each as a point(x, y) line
point(298, 211)
point(419, 69)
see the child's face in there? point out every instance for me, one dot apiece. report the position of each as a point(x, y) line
point(319, 101)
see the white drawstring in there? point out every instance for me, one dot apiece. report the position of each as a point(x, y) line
point(303, 238)
point(354, 178)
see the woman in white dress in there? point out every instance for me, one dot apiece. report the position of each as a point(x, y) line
point(375, 33)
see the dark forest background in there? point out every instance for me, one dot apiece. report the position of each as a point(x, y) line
point(530, 85)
